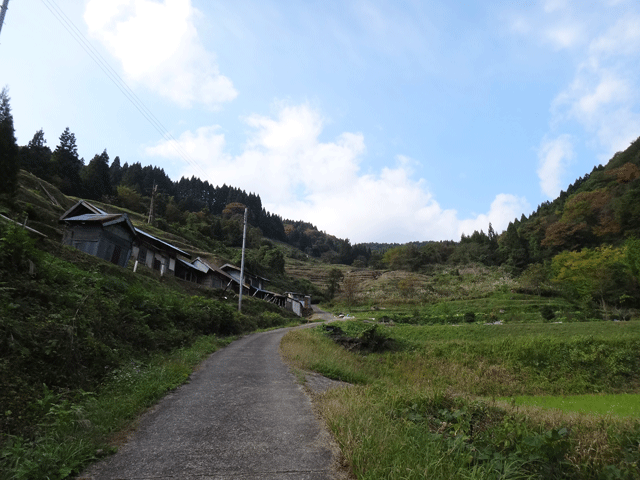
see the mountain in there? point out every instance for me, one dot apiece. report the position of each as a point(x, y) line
point(602, 207)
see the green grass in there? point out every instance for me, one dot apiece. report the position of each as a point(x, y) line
point(495, 307)
point(427, 408)
point(623, 405)
point(78, 427)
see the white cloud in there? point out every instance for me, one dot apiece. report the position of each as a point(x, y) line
point(299, 177)
point(157, 45)
point(504, 209)
point(592, 93)
point(601, 97)
point(554, 156)
point(564, 36)
point(623, 38)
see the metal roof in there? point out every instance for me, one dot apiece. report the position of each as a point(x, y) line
point(83, 205)
point(105, 219)
point(154, 239)
point(249, 274)
point(94, 217)
point(188, 265)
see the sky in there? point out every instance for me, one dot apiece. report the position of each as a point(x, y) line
point(374, 120)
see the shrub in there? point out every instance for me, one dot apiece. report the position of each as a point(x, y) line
point(469, 317)
point(547, 312)
point(16, 248)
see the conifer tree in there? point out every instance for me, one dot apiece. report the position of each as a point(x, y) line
point(67, 165)
point(9, 159)
point(96, 178)
point(115, 172)
point(36, 156)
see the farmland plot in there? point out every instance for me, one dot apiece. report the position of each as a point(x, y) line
point(436, 403)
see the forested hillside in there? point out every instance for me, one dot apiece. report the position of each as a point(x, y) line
point(593, 226)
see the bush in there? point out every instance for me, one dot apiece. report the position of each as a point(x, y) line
point(16, 248)
point(548, 313)
point(469, 317)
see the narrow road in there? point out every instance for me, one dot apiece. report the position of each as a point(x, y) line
point(321, 315)
point(242, 416)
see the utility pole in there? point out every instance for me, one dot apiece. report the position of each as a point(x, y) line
point(3, 10)
point(152, 212)
point(244, 241)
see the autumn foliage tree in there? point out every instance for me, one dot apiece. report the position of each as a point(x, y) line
point(333, 282)
point(350, 289)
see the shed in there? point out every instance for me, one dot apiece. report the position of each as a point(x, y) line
point(298, 303)
point(104, 235)
point(213, 276)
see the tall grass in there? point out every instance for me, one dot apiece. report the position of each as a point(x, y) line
point(79, 427)
point(623, 405)
point(426, 410)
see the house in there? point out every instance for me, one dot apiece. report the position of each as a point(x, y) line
point(254, 285)
point(253, 281)
point(214, 277)
point(112, 237)
point(304, 300)
point(298, 303)
point(201, 272)
point(98, 233)
point(155, 253)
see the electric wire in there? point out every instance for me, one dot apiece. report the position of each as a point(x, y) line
point(124, 88)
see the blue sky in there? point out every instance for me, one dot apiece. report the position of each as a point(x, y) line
point(383, 121)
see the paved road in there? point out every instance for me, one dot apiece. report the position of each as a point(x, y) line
point(242, 416)
point(321, 315)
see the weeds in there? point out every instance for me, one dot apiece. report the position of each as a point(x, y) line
point(425, 409)
point(76, 427)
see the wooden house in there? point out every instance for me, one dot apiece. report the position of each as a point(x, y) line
point(156, 254)
point(112, 237)
point(98, 233)
point(213, 277)
point(201, 272)
point(254, 285)
point(253, 281)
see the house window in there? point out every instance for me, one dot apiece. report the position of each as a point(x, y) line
point(142, 255)
point(157, 264)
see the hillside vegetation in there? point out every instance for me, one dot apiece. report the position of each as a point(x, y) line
point(78, 333)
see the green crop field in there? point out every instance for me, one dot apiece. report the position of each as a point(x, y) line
point(458, 401)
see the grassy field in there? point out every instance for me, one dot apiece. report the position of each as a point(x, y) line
point(437, 402)
point(623, 405)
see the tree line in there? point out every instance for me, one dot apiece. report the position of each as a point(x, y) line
point(190, 205)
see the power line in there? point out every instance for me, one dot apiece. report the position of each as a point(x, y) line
point(124, 88)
